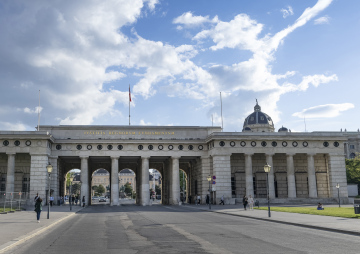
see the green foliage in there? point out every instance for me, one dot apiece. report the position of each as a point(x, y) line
point(182, 177)
point(345, 212)
point(122, 188)
point(99, 190)
point(75, 189)
point(128, 189)
point(353, 170)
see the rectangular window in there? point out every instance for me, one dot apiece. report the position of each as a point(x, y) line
point(233, 187)
point(352, 147)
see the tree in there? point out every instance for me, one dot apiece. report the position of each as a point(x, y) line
point(128, 189)
point(75, 189)
point(353, 170)
point(99, 190)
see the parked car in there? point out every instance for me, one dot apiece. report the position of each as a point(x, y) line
point(95, 197)
point(102, 199)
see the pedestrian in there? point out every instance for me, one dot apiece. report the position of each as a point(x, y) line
point(251, 203)
point(73, 199)
point(222, 200)
point(83, 201)
point(36, 197)
point(198, 200)
point(190, 199)
point(51, 200)
point(38, 208)
point(207, 199)
point(245, 202)
point(61, 200)
point(76, 200)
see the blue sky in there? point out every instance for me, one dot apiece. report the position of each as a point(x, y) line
point(298, 58)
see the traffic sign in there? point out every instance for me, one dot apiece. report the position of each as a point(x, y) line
point(214, 177)
point(214, 182)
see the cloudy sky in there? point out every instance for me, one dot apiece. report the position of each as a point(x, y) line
point(299, 59)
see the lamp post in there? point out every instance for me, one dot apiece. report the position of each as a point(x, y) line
point(338, 188)
point(267, 169)
point(70, 196)
point(49, 170)
point(209, 180)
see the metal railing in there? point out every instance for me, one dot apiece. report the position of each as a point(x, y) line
point(13, 201)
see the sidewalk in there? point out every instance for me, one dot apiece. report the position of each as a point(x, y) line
point(17, 227)
point(334, 224)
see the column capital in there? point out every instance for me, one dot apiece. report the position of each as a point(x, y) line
point(84, 157)
point(248, 154)
point(53, 157)
point(145, 157)
point(311, 154)
point(269, 154)
point(114, 157)
point(175, 157)
point(10, 153)
point(290, 154)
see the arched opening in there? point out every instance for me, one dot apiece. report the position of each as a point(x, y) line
point(71, 188)
point(127, 186)
point(183, 186)
point(100, 187)
point(155, 185)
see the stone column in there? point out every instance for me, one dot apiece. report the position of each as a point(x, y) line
point(311, 176)
point(249, 175)
point(203, 184)
point(54, 184)
point(38, 176)
point(145, 191)
point(114, 181)
point(269, 160)
point(222, 171)
point(291, 175)
point(175, 181)
point(84, 177)
point(10, 175)
point(337, 175)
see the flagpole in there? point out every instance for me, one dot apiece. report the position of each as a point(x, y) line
point(38, 127)
point(129, 103)
point(222, 123)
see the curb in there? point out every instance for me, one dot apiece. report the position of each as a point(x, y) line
point(9, 245)
point(289, 223)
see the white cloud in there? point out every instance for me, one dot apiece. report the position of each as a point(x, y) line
point(322, 20)
point(12, 126)
point(287, 12)
point(188, 19)
point(324, 111)
point(142, 122)
point(72, 51)
point(36, 110)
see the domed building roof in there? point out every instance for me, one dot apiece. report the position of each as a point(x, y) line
point(258, 121)
point(283, 129)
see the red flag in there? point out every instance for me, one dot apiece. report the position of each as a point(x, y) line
point(129, 94)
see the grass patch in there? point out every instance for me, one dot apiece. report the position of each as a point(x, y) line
point(6, 209)
point(345, 212)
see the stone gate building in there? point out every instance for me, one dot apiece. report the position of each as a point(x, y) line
point(304, 165)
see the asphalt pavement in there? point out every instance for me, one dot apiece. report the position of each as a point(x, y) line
point(20, 227)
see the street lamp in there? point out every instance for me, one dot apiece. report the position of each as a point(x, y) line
point(49, 170)
point(209, 180)
point(70, 196)
point(267, 169)
point(338, 187)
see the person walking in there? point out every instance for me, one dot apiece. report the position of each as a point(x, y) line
point(222, 200)
point(51, 200)
point(251, 203)
point(83, 201)
point(207, 199)
point(36, 197)
point(38, 208)
point(245, 202)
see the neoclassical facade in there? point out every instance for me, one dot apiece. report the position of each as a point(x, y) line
point(304, 166)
